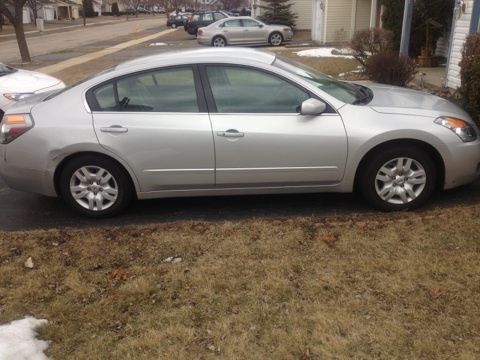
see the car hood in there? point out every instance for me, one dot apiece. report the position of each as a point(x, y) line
point(24, 81)
point(397, 100)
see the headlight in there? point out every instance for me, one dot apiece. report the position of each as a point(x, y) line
point(463, 129)
point(287, 29)
point(17, 96)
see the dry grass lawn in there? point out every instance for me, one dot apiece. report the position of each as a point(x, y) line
point(386, 286)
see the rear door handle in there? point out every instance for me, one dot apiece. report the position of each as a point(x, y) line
point(114, 129)
point(231, 133)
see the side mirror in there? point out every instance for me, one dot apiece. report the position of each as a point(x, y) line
point(260, 26)
point(313, 107)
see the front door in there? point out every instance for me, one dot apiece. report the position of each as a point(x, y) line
point(254, 31)
point(261, 139)
point(157, 122)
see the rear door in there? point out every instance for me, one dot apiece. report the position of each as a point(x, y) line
point(157, 122)
point(232, 30)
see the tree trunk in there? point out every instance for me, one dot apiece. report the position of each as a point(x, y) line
point(20, 34)
point(84, 17)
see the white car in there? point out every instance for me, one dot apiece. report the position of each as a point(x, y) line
point(17, 84)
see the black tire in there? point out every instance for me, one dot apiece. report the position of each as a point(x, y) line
point(368, 182)
point(270, 41)
point(121, 177)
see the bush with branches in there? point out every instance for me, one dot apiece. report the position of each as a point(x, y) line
point(470, 76)
point(365, 43)
point(387, 67)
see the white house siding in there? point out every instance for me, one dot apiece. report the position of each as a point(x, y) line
point(303, 9)
point(460, 32)
point(362, 18)
point(339, 21)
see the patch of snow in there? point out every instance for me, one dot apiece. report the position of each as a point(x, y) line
point(327, 52)
point(18, 340)
point(158, 44)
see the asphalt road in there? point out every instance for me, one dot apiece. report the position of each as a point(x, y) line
point(80, 38)
point(24, 211)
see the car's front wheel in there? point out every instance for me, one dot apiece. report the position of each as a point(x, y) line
point(275, 39)
point(399, 178)
point(95, 186)
point(219, 41)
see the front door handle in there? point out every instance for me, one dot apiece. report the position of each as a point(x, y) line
point(114, 129)
point(231, 133)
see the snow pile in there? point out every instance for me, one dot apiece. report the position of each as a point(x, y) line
point(327, 52)
point(18, 340)
point(157, 44)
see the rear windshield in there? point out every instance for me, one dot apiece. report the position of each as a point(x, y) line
point(5, 70)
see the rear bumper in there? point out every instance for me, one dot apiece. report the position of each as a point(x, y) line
point(203, 40)
point(24, 178)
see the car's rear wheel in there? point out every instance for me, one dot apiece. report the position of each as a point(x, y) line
point(275, 39)
point(95, 186)
point(219, 41)
point(399, 178)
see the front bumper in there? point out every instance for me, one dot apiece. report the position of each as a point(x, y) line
point(463, 164)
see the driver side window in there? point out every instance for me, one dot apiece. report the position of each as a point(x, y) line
point(171, 90)
point(246, 90)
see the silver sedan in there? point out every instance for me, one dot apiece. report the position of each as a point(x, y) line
point(232, 122)
point(243, 30)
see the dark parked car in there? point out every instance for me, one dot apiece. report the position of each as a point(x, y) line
point(201, 19)
point(177, 21)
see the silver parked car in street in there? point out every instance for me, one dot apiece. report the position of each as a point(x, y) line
point(229, 122)
point(243, 30)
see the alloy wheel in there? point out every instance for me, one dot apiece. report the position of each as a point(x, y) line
point(400, 181)
point(219, 42)
point(276, 39)
point(94, 188)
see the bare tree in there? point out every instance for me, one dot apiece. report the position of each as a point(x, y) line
point(35, 5)
point(13, 11)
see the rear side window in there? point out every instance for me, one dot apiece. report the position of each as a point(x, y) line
point(170, 90)
point(247, 90)
point(196, 17)
point(232, 23)
point(207, 17)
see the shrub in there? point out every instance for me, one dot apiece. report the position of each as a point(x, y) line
point(370, 42)
point(470, 76)
point(389, 68)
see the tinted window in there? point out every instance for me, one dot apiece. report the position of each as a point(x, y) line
point(232, 23)
point(207, 17)
point(250, 23)
point(245, 90)
point(5, 70)
point(170, 90)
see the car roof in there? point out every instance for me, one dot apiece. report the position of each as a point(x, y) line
point(201, 55)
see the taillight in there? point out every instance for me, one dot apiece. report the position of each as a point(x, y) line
point(199, 32)
point(12, 126)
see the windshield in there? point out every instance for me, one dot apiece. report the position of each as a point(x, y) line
point(343, 91)
point(5, 70)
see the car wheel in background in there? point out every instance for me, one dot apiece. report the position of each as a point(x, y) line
point(275, 39)
point(399, 178)
point(95, 186)
point(219, 41)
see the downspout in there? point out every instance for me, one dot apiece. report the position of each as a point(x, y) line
point(475, 17)
point(450, 43)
